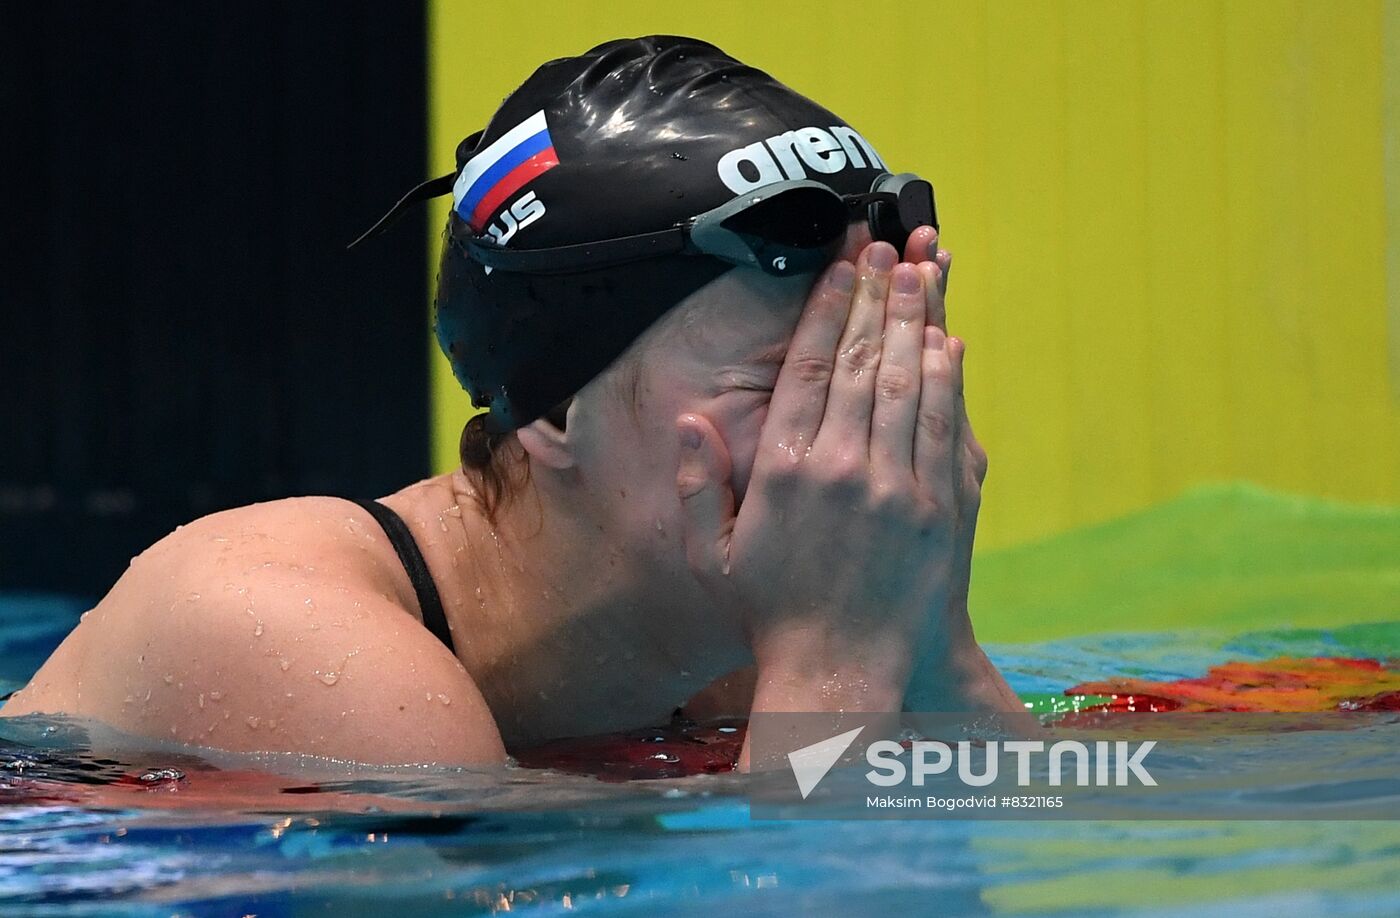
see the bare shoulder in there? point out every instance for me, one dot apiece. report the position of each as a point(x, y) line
point(272, 627)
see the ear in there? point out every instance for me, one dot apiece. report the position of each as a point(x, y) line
point(547, 444)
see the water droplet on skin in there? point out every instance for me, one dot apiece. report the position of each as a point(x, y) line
point(330, 678)
point(84, 616)
point(201, 700)
point(148, 695)
point(169, 678)
point(427, 696)
point(252, 721)
point(193, 597)
point(286, 665)
point(128, 699)
point(309, 603)
point(216, 696)
point(455, 511)
point(258, 629)
point(444, 699)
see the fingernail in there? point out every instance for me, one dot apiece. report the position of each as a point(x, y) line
point(842, 276)
point(690, 438)
point(883, 256)
point(906, 278)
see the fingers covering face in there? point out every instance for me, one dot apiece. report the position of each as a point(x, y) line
point(935, 436)
point(845, 426)
point(899, 379)
point(935, 293)
point(870, 374)
point(800, 394)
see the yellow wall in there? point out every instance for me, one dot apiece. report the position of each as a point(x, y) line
point(1168, 220)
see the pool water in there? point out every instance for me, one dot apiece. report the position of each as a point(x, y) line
point(177, 831)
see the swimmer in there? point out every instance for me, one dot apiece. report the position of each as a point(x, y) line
point(726, 464)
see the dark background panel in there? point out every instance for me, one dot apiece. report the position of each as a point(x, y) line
point(183, 330)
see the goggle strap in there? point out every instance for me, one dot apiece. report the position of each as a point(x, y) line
point(870, 197)
point(432, 188)
point(567, 259)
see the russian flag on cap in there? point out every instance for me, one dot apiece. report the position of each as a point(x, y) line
point(512, 161)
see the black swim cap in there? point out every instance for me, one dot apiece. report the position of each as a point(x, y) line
point(630, 137)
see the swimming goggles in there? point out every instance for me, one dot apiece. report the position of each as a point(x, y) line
point(786, 228)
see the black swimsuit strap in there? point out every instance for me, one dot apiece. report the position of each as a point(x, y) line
point(429, 602)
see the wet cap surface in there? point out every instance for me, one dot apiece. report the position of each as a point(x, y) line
point(633, 136)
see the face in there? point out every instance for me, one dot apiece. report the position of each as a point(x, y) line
point(717, 354)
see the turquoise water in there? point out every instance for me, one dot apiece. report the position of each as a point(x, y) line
point(289, 837)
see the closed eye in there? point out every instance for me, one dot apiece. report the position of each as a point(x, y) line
point(746, 379)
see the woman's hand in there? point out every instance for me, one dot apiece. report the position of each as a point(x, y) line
point(970, 459)
point(847, 535)
point(952, 672)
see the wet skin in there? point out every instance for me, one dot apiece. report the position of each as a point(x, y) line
point(591, 603)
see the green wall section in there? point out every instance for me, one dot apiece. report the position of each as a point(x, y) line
point(1170, 232)
point(1229, 558)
